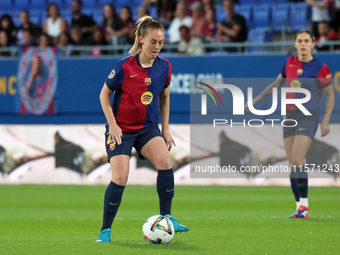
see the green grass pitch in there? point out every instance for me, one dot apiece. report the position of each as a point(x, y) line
point(223, 220)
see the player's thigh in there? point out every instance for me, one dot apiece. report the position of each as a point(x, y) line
point(157, 152)
point(300, 147)
point(120, 169)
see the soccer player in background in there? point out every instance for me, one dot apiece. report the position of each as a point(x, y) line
point(298, 139)
point(141, 82)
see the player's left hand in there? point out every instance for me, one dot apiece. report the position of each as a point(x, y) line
point(168, 139)
point(324, 129)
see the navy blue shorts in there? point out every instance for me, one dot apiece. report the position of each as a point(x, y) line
point(136, 139)
point(307, 124)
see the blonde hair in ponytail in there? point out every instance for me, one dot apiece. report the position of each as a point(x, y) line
point(141, 29)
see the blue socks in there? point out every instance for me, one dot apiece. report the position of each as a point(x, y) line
point(294, 185)
point(114, 193)
point(299, 183)
point(165, 190)
point(302, 181)
point(112, 199)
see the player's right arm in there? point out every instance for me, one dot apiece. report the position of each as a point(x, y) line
point(112, 83)
point(278, 83)
point(115, 132)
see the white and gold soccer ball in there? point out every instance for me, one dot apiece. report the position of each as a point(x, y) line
point(158, 229)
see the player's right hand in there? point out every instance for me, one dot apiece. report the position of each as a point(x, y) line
point(255, 101)
point(115, 134)
point(324, 129)
point(246, 107)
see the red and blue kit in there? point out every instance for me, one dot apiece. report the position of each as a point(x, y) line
point(135, 104)
point(313, 76)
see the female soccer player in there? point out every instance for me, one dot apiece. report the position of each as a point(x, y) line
point(298, 139)
point(141, 81)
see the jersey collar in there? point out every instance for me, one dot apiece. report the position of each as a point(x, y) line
point(145, 68)
point(297, 58)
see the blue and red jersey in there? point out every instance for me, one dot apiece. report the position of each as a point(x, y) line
point(313, 75)
point(135, 104)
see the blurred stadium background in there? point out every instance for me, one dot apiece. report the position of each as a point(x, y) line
point(52, 132)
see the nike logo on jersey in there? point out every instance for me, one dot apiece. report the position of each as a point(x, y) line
point(131, 76)
point(300, 129)
point(291, 65)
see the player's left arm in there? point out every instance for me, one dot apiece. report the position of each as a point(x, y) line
point(164, 107)
point(329, 108)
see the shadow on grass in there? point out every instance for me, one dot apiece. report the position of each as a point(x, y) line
point(326, 220)
point(171, 246)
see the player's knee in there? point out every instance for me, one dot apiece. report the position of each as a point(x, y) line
point(164, 162)
point(120, 179)
point(167, 163)
point(296, 161)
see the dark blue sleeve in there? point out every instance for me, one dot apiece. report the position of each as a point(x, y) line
point(283, 70)
point(116, 77)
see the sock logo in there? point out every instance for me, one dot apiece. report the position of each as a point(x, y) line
point(169, 190)
point(113, 203)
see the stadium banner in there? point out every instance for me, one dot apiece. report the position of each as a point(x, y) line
point(8, 86)
point(75, 154)
point(78, 81)
point(37, 81)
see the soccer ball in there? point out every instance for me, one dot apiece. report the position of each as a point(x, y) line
point(158, 229)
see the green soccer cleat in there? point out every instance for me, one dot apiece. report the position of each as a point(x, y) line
point(104, 236)
point(178, 227)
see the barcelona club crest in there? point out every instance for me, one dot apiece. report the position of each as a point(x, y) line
point(147, 81)
point(299, 71)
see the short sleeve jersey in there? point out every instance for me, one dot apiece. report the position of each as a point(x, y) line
point(313, 76)
point(135, 104)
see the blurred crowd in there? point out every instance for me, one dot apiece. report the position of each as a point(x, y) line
point(82, 30)
point(188, 24)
